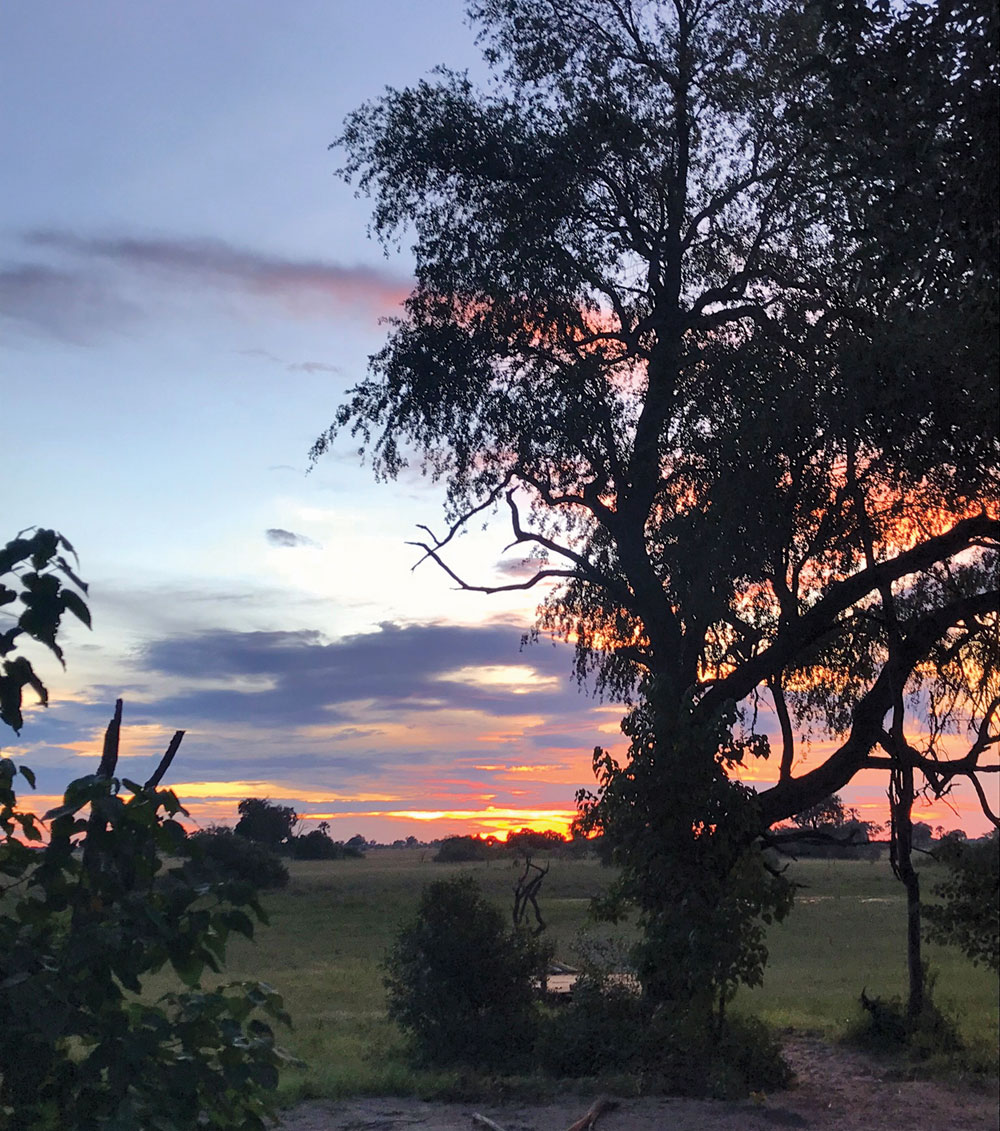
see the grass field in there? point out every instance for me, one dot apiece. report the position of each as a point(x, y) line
point(332, 925)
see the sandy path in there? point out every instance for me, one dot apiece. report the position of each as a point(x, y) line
point(837, 1090)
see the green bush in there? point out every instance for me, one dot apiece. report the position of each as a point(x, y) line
point(968, 915)
point(89, 917)
point(885, 1026)
point(460, 984)
point(219, 855)
point(594, 1034)
point(608, 1028)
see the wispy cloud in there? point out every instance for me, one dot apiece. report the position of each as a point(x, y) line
point(58, 303)
point(312, 367)
point(72, 286)
point(217, 263)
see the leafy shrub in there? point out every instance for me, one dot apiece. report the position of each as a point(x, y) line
point(86, 916)
point(608, 1028)
point(885, 1026)
point(595, 1033)
point(87, 921)
point(460, 983)
point(969, 915)
point(219, 855)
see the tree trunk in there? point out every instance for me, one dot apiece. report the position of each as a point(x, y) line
point(901, 804)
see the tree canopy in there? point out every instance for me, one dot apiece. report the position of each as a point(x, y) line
point(263, 821)
point(705, 301)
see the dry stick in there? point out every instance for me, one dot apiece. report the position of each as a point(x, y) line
point(109, 756)
point(165, 761)
point(482, 1121)
point(589, 1121)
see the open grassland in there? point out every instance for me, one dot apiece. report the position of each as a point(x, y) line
point(331, 927)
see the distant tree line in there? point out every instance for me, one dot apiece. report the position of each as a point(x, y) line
point(525, 842)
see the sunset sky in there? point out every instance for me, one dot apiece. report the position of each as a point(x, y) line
point(186, 291)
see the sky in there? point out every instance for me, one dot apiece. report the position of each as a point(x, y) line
point(187, 290)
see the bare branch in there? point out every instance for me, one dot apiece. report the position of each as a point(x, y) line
point(109, 756)
point(542, 575)
point(165, 761)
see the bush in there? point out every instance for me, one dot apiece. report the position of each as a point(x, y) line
point(460, 983)
point(608, 1028)
point(80, 1049)
point(885, 1026)
point(86, 916)
point(968, 916)
point(219, 855)
point(595, 1033)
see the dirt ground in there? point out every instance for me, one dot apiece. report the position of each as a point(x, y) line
point(835, 1089)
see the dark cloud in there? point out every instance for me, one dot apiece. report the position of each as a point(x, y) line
point(287, 538)
point(414, 668)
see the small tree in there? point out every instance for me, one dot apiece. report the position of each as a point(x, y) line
point(264, 822)
point(460, 984)
point(677, 828)
point(829, 811)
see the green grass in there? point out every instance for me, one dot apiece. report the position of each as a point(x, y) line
point(847, 932)
point(331, 927)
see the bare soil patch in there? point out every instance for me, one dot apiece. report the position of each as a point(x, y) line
point(836, 1090)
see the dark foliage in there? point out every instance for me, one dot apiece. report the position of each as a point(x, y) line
point(460, 984)
point(462, 849)
point(608, 1028)
point(887, 1025)
point(528, 842)
point(84, 921)
point(968, 915)
point(218, 855)
point(86, 916)
point(262, 821)
point(703, 891)
point(35, 594)
point(318, 845)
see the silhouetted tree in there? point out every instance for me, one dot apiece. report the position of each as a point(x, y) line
point(680, 314)
point(829, 811)
point(262, 821)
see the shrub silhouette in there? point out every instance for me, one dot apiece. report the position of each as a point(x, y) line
point(218, 854)
point(460, 983)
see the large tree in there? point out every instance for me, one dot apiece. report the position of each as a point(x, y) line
point(714, 350)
